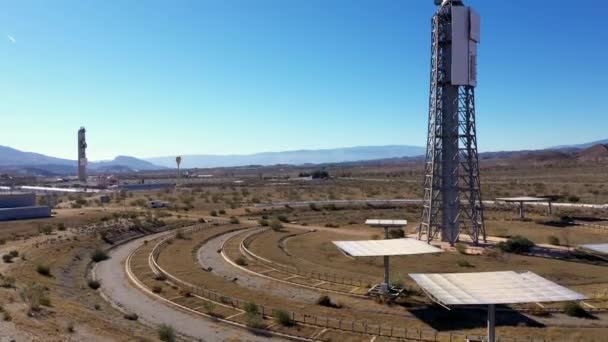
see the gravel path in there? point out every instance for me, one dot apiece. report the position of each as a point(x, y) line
point(208, 256)
point(116, 287)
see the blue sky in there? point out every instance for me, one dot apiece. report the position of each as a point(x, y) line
point(153, 78)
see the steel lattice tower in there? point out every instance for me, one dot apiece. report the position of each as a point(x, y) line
point(452, 194)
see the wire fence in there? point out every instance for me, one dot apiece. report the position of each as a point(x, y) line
point(344, 325)
point(323, 276)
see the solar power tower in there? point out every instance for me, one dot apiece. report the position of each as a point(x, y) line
point(452, 195)
point(82, 155)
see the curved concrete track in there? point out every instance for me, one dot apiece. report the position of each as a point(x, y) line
point(208, 257)
point(117, 288)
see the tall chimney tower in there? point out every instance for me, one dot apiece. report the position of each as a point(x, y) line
point(452, 192)
point(82, 155)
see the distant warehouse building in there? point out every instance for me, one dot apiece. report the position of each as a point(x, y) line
point(20, 206)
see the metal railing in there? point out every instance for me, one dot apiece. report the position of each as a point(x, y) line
point(323, 276)
point(345, 325)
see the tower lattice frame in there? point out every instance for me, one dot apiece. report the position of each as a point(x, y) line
point(452, 193)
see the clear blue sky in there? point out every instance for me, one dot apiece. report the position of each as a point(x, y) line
point(153, 78)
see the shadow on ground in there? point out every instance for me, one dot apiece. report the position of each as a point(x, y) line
point(442, 319)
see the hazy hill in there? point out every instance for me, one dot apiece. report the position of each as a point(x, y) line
point(125, 161)
point(298, 157)
point(594, 153)
point(12, 157)
point(580, 146)
point(15, 161)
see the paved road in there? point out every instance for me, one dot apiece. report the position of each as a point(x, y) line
point(419, 201)
point(123, 294)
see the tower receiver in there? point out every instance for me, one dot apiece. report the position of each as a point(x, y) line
point(452, 191)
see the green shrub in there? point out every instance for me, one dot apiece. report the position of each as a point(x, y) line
point(45, 301)
point(7, 258)
point(61, 226)
point(553, 240)
point(325, 300)
point(34, 296)
point(517, 244)
point(47, 229)
point(255, 321)
point(222, 212)
point(251, 308)
point(180, 234)
point(397, 282)
point(7, 282)
point(14, 253)
point(160, 277)
point(283, 318)
point(44, 270)
point(464, 263)
point(573, 199)
point(263, 223)
point(575, 310)
point(94, 284)
point(234, 220)
point(241, 261)
point(396, 233)
point(99, 255)
point(282, 218)
point(276, 225)
point(166, 333)
point(461, 248)
point(157, 289)
point(213, 213)
point(209, 307)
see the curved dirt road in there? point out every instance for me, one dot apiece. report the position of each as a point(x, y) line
point(208, 257)
point(116, 288)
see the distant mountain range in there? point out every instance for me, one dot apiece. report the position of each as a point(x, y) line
point(299, 157)
point(40, 164)
point(15, 161)
point(580, 146)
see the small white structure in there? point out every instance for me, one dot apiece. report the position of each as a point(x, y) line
point(385, 287)
point(526, 199)
point(386, 223)
point(385, 248)
point(490, 288)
